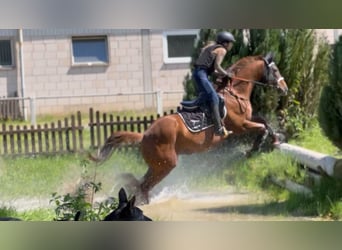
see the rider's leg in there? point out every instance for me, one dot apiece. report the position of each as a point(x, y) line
point(219, 129)
point(205, 86)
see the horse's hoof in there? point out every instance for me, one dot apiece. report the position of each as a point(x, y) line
point(276, 143)
point(248, 154)
point(279, 138)
point(140, 202)
point(142, 199)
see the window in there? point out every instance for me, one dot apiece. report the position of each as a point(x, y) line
point(178, 45)
point(6, 55)
point(89, 50)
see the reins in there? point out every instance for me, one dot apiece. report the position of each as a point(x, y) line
point(256, 82)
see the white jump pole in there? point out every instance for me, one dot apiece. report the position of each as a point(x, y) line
point(317, 161)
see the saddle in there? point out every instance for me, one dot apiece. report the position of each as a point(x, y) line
point(196, 114)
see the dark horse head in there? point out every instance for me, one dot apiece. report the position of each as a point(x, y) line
point(9, 219)
point(126, 211)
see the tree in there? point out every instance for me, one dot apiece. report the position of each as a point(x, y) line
point(330, 106)
point(302, 59)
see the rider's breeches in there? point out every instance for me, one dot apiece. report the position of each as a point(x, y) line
point(205, 86)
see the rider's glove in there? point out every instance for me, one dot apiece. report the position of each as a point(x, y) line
point(229, 74)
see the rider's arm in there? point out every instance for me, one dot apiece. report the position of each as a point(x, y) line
point(220, 54)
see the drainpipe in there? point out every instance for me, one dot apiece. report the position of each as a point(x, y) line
point(147, 66)
point(336, 35)
point(22, 70)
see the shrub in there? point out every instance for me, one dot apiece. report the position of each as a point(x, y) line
point(330, 106)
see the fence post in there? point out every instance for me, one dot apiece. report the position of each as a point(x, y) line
point(33, 110)
point(159, 95)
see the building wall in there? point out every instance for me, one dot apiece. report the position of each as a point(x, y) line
point(330, 34)
point(9, 75)
point(133, 67)
point(49, 72)
point(8, 83)
point(166, 77)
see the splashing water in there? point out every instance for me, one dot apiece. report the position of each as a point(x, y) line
point(175, 191)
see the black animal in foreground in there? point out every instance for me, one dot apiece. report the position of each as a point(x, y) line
point(9, 219)
point(126, 211)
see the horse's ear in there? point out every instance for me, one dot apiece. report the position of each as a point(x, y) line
point(269, 57)
point(131, 202)
point(122, 196)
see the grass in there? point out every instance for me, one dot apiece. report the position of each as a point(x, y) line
point(254, 174)
point(42, 175)
point(39, 177)
point(315, 139)
point(36, 176)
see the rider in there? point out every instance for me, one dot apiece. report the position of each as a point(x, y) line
point(207, 63)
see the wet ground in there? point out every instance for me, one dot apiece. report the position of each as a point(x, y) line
point(184, 205)
point(213, 206)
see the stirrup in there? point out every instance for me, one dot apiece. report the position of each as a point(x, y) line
point(222, 132)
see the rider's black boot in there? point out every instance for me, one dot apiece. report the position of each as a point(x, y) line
point(219, 129)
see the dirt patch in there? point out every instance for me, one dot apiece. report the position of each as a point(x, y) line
point(184, 205)
point(213, 206)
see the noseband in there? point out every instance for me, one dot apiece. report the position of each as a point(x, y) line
point(269, 67)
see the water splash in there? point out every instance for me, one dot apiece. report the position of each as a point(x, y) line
point(174, 191)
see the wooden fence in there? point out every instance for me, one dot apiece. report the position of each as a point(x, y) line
point(60, 137)
point(68, 135)
point(103, 125)
point(10, 109)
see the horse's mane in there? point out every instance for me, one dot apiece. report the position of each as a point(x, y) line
point(241, 63)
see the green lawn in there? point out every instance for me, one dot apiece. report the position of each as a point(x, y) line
point(43, 175)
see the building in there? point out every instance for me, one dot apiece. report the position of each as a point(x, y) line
point(63, 70)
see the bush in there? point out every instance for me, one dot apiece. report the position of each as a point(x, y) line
point(330, 106)
point(302, 59)
point(67, 206)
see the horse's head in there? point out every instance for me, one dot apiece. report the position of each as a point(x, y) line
point(273, 76)
point(126, 211)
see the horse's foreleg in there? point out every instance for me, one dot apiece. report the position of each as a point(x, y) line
point(262, 131)
point(275, 138)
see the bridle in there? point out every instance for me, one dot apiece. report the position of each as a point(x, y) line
point(269, 67)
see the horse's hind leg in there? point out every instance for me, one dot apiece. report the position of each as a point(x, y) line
point(159, 152)
point(155, 174)
point(160, 163)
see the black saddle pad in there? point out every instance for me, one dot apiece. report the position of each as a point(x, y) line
point(195, 120)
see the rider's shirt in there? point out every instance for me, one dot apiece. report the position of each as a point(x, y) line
point(206, 59)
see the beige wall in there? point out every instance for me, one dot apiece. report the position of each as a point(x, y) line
point(9, 75)
point(166, 77)
point(330, 34)
point(8, 83)
point(49, 72)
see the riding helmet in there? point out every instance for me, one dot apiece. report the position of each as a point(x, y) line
point(224, 37)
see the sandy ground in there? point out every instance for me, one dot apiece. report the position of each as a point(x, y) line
point(185, 205)
point(212, 206)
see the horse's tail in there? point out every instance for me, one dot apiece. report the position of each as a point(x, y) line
point(115, 140)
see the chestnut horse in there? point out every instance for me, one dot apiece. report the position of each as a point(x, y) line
point(168, 136)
